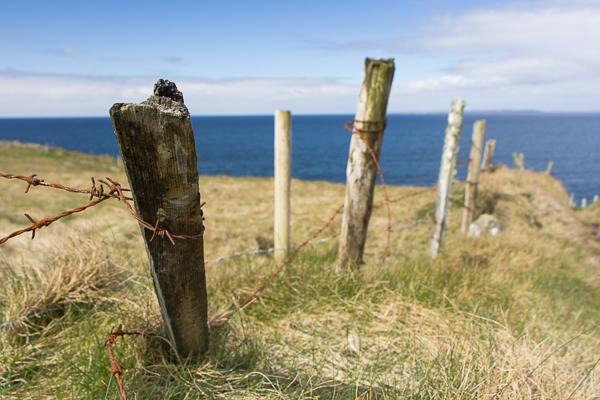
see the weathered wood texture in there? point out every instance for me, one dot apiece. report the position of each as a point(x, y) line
point(157, 145)
point(361, 172)
point(283, 170)
point(488, 155)
point(473, 175)
point(446, 176)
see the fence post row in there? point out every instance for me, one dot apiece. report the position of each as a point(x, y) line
point(488, 155)
point(446, 176)
point(473, 175)
point(156, 142)
point(361, 172)
point(283, 166)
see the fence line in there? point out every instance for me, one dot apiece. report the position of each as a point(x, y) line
point(116, 191)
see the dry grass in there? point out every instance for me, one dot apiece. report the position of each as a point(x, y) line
point(483, 320)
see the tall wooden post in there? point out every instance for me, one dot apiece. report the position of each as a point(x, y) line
point(488, 154)
point(446, 176)
point(283, 167)
point(156, 142)
point(361, 172)
point(473, 175)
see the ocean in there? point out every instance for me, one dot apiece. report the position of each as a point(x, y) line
point(412, 145)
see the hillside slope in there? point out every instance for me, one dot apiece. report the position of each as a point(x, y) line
point(490, 317)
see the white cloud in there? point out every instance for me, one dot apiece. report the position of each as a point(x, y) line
point(542, 55)
point(24, 95)
point(513, 49)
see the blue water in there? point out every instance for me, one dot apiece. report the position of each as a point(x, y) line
point(243, 146)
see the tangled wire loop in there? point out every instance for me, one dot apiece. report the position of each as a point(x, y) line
point(115, 368)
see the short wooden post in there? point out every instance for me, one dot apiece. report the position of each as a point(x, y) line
point(283, 168)
point(361, 172)
point(549, 167)
point(595, 198)
point(519, 161)
point(584, 202)
point(473, 175)
point(572, 200)
point(446, 176)
point(488, 154)
point(156, 142)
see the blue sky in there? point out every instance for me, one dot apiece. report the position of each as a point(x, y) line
point(74, 58)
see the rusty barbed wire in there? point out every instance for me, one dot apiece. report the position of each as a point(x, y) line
point(47, 221)
point(349, 126)
point(116, 191)
point(158, 231)
point(262, 286)
point(33, 181)
point(115, 368)
point(417, 193)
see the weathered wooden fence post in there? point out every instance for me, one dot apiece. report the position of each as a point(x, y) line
point(361, 172)
point(157, 145)
point(572, 200)
point(488, 154)
point(519, 161)
point(549, 168)
point(446, 176)
point(283, 167)
point(473, 175)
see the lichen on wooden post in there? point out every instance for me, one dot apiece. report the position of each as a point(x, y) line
point(283, 169)
point(488, 155)
point(157, 145)
point(446, 176)
point(473, 175)
point(361, 172)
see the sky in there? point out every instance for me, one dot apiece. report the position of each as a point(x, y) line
point(77, 58)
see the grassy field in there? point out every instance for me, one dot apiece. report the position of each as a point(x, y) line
point(507, 317)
